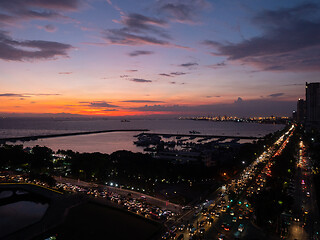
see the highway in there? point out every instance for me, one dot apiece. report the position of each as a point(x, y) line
point(226, 217)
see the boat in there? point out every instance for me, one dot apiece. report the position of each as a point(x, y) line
point(194, 132)
point(125, 120)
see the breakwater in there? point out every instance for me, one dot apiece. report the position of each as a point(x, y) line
point(33, 138)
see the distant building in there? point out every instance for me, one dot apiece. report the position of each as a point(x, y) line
point(301, 111)
point(313, 104)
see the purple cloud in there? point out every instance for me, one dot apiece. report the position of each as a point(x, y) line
point(139, 80)
point(290, 41)
point(139, 52)
point(11, 50)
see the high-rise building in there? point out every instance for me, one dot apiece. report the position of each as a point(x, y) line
point(301, 111)
point(313, 104)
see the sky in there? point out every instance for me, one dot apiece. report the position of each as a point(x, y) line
point(157, 57)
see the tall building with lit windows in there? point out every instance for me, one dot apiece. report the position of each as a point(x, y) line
point(313, 104)
point(301, 111)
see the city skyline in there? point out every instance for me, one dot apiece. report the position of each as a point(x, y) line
point(168, 57)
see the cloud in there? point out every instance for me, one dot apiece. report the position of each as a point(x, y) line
point(24, 95)
point(65, 72)
point(290, 41)
point(142, 101)
point(132, 70)
point(110, 110)
point(256, 107)
point(172, 74)
point(139, 80)
point(99, 104)
point(165, 74)
point(189, 64)
point(48, 28)
point(212, 96)
point(138, 29)
point(139, 52)
point(17, 10)
point(14, 50)
point(124, 76)
point(217, 65)
point(182, 11)
point(172, 82)
point(276, 95)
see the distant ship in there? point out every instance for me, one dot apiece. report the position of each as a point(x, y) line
point(125, 120)
point(194, 132)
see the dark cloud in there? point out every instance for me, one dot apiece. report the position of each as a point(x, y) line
point(24, 95)
point(65, 72)
point(290, 41)
point(172, 74)
point(217, 65)
point(138, 30)
point(110, 110)
point(276, 95)
point(182, 11)
point(178, 73)
point(124, 76)
point(100, 104)
point(140, 52)
point(189, 64)
point(12, 95)
point(18, 10)
point(125, 37)
point(139, 80)
point(165, 74)
point(172, 82)
point(257, 107)
point(142, 101)
point(49, 28)
point(132, 70)
point(11, 49)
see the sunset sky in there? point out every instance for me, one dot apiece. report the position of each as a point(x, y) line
point(144, 57)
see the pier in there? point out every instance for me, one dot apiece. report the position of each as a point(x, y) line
point(167, 135)
point(33, 138)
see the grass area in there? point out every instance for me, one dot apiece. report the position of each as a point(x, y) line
point(94, 221)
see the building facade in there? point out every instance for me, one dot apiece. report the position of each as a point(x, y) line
point(313, 104)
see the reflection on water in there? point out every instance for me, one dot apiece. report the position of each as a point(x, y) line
point(111, 142)
point(17, 215)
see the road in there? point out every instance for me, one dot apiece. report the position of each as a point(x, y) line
point(224, 215)
point(133, 194)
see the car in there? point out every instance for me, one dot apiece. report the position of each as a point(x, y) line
point(193, 231)
point(186, 208)
point(173, 229)
point(181, 227)
point(202, 230)
point(234, 219)
point(241, 228)
point(227, 227)
point(166, 236)
point(189, 227)
point(202, 223)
